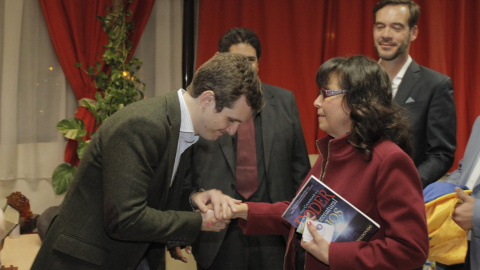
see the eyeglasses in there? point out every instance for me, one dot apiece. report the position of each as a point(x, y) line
point(328, 93)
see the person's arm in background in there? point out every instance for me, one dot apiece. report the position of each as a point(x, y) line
point(441, 128)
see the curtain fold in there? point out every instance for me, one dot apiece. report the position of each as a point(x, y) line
point(298, 36)
point(160, 48)
point(292, 35)
point(77, 37)
point(34, 96)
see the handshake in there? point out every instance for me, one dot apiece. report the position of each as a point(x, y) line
point(217, 209)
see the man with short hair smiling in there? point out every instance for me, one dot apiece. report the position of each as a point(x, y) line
point(426, 95)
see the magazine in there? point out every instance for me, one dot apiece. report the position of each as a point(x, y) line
point(316, 200)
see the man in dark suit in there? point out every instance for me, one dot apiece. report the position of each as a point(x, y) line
point(426, 95)
point(281, 165)
point(117, 210)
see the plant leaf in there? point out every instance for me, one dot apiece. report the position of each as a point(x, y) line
point(72, 128)
point(82, 145)
point(62, 177)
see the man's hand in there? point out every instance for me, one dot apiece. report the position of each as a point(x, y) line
point(176, 253)
point(212, 224)
point(463, 213)
point(220, 203)
point(318, 247)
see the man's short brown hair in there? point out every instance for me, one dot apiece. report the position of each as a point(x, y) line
point(229, 76)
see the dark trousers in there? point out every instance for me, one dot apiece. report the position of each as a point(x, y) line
point(249, 252)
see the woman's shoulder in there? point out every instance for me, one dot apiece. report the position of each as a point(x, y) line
point(387, 148)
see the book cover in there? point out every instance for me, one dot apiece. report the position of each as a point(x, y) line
point(317, 200)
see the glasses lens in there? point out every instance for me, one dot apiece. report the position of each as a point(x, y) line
point(328, 93)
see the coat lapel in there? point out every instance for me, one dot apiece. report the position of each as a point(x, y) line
point(173, 115)
point(407, 86)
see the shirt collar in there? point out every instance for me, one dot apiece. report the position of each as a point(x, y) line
point(399, 77)
point(186, 125)
point(402, 71)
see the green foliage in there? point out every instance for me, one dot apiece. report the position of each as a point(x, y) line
point(62, 177)
point(116, 84)
point(72, 128)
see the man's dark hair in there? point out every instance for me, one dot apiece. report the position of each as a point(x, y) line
point(412, 7)
point(238, 35)
point(229, 76)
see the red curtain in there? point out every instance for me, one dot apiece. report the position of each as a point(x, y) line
point(298, 36)
point(77, 37)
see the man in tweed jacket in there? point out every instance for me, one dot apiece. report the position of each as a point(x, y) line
point(116, 212)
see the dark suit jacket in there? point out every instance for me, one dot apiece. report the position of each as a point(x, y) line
point(285, 154)
point(427, 96)
point(115, 206)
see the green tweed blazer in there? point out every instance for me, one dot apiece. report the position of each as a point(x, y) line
point(117, 207)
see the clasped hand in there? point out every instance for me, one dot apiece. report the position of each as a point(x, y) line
point(216, 208)
point(463, 213)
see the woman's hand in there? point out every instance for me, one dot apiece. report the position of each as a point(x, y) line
point(318, 247)
point(211, 224)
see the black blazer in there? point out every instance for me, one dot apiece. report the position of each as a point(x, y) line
point(427, 96)
point(285, 154)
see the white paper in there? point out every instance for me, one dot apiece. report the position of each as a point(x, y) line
point(324, 229)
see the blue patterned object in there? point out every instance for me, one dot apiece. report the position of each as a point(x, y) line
point(439, 189)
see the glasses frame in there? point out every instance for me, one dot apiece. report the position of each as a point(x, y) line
point(329, 93)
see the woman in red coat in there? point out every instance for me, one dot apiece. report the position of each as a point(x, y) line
point(366, 159)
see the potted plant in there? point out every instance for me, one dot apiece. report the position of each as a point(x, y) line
point(115, 80)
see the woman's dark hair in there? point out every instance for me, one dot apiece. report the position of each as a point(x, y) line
point(374, 114)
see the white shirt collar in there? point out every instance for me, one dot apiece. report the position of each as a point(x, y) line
point(402, 71)
point(186, 125)
point(399, 77)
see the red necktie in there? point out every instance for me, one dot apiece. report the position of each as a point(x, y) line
point(246, 172)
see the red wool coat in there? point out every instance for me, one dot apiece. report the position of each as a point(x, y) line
point(387, 188)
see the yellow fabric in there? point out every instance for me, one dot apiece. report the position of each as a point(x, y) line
point(448, 242)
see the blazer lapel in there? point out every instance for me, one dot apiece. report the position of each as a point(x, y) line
point(268, 127)
point(470, 165)
point(407, 86)
point(173, 115)
point(226, 145)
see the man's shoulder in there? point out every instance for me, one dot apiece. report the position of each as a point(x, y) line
point(428, 72)
point(275, 90)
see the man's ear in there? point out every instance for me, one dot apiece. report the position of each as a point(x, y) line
point(207, 98)
point(414, 33)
